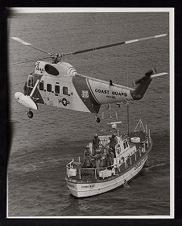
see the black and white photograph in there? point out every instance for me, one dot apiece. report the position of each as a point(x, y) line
point(92, 113)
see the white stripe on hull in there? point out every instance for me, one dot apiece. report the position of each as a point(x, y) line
point(90, 189)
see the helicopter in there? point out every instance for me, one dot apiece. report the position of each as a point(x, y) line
point(58, 84)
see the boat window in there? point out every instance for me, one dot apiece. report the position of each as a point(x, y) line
point(49, 87)
point(41, 85)
point(124, 145)
point(65, 90)
point(57, 89)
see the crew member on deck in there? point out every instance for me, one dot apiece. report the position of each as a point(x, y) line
point(113, 142)
point(96, 142)
point(110, 158)
point(87, 158)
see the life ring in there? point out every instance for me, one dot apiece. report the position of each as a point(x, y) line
point(64, 102)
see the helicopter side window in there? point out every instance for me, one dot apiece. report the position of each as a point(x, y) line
point(49, 87)
point(65, 90)
point(57, 89)
point(41, 85)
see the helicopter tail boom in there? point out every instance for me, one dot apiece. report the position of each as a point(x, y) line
point(143, 83)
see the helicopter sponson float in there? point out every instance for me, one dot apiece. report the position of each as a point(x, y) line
point(58, 84)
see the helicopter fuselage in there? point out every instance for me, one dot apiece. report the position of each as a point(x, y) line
point(61, 86)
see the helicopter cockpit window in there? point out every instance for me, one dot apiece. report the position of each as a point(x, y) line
point(57, 89)
point(51, 70)
point(49, 87)
point(41, 85)
point(65, 90)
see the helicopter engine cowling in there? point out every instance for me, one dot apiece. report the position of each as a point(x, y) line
point(66, 69)
point(59, 69)
point(25, 101)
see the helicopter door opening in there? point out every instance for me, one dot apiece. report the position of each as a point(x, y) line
point(30, 81)
point(29, 84)
point(49, 96)
point(58, 97)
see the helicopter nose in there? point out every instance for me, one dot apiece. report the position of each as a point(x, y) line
point(18, 95)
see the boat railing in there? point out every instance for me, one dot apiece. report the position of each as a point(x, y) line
point(75, 169)
point(69, 165)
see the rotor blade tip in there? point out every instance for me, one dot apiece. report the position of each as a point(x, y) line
point(161, 35)
point(13, 37)
point(21, 41)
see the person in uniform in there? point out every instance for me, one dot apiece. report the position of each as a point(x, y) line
point(87, 158)
point(110, 158)
point(103, 157)
point(96, 142)
point(112, 144)
point(98, 162)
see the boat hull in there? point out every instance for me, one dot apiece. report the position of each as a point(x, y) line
point(90, 189)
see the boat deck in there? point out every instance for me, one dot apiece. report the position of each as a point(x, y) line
point(91, 175)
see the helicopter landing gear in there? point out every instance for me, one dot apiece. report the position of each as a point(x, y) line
point(97, 119)
point(30, 114)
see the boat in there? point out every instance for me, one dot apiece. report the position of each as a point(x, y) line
point(110, 162)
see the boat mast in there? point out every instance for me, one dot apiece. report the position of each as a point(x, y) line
point(128, 118)
point(127, 103)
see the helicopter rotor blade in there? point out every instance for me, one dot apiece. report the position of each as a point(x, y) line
point(28, 61)
point(113, 44)
point(159, 74)
point(30, 45)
